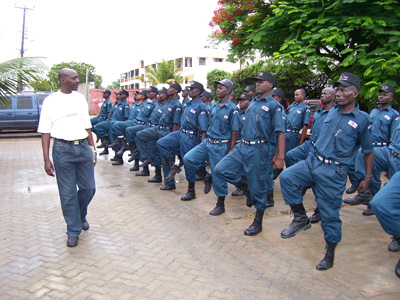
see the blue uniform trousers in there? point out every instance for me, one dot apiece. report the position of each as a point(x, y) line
point(75, 180)
point(270, 170)
point(252, 161)
point(102, 128)
point(384, 161)
point(386, 206)
point(167, 146)
point(97, 120)
point(196, 158)
point(292, 140)
point(145, 142)
point(328, 182)
point(121, 126)
point(298, 153)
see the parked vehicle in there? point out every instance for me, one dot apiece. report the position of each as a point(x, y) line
point(22, 110)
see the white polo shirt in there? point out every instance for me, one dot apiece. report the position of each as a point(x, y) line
point(65, 116)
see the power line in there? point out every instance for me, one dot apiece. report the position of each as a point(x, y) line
point(23, 28)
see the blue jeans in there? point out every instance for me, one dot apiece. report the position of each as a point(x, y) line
point(75, 179)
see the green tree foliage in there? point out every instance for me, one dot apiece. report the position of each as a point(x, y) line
point(17, 73)
point(80, 68)
point(163, 73)
point(115, 84)
point(330, 36)
point(216, 75)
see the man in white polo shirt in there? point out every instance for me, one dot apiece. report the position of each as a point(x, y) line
point(65, 118)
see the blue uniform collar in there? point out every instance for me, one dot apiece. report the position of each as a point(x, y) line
point(258, 98)
point(195, 101)
point(225, 104)
point(387, 108)
point(354, 112)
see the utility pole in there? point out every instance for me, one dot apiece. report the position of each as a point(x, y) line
point(23, 28)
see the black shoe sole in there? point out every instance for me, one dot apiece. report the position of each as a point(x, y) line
point(308, 226)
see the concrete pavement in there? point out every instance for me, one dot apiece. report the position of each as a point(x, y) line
point(144, 243)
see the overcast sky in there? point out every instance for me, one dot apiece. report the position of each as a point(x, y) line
point(110, 35)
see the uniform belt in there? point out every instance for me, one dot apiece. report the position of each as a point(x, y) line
point(164, 127)
point(75, 142)
point(327, 161)
point(189, 132)
point(152, 125)
point(140, 122)
point(379, 144)
point(395, 154)
point(293, 130)
point(312, 143)
point(218, 141)
point(102, 117)
point(246, 142)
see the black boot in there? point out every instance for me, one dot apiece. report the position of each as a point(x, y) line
point(270, 200)
point(174, 169)
point(118, 162)
point(157, 177)
point(395, 244)
point(191, 194)
point(118, 141)
point(237, 192)
point(148, 161)
point(135, 166)
point(304, 189)
point(131, 158)
point(243, 186)
point(207, 183)
point(327, 262)
point(124, 147)
point(316, 217)
point(144, 172)
point(397, 269)
point(201, 174)
point(256, 227)
point(360, 198)
point(105, 151)
point(104, 142)
point(220, 208)
point(300, 222)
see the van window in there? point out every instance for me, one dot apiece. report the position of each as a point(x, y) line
point(24, 103)
point(313, 106)
point(6, 105)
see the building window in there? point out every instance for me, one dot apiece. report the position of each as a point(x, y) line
point(202, 61)
point(142, 64)
point(132, 74)
point(218, 59)
point(137, 72)
point(178, 63)
point(136, 85)
point(188, 62)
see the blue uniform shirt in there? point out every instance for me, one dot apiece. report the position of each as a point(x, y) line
point(135, 110)
point(171, 113)
point(263, 118)
point(157, 113)
point(195, 116)
point(382, 120)
point(297, 116)
point(242, 118)
point(122, 111)
point(185, 103)
point(105, 108)
point(223, 120)
point(113, 109)
point(343, 133)
point(146, 110)
point(318, 120)
point(395, 136)
point(274, 138)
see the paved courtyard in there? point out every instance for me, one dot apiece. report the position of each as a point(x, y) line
point(144, 243)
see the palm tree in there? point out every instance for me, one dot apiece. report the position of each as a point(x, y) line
point(18, 72)
point(163, 73)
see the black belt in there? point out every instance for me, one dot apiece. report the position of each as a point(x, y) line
point(327, 161)
point(189, 132)
point(293, 130)
point(75, 142)
point(218, 141)
point(246, 142)
point(395, 154)
point(164, 127)
point(140, 122)
point(379, 144)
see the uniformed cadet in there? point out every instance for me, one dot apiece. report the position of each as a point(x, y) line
point(193, 129)
point(104, 110)
point(386, 206)
point(382, 118)
point(244, 101)
point(221, 139)
point(207, 98)
point(250, 90)
point(254, 152)
point(118, 129)
point(186, 99)
point(169, 121)
point(104, 130)
point(328, 99)
point(325, 169)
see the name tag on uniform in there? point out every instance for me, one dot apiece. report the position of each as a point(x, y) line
point(235, 112)
point(120, 108)
point(387, 117)
point(265, 108)
point(203, 113)
point(244, 118)
point(192, 111)
point(352, 124)
point(169, 109)
point(138, 109)
point(178, 108)
point(148, 107)
point(299, 112)
point(160, 111)
point(226, 117)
